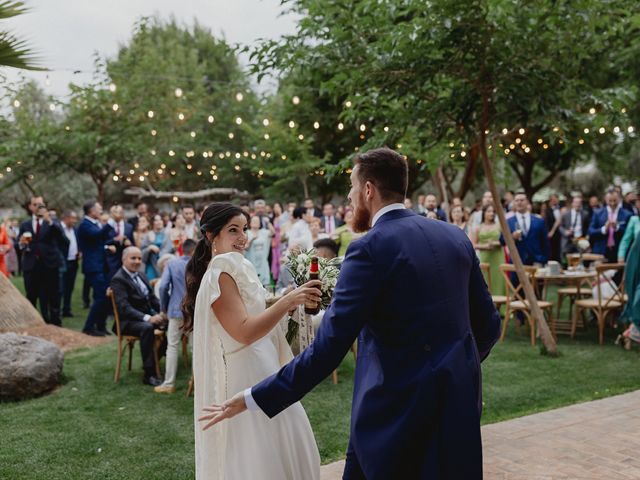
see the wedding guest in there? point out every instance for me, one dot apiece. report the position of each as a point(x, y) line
point(326, 248)
point(408, 203)
point(120, 237)
point(155, 244)
point(340, 211)
point(345, 234)
point(138, 308)
point(310, 208)
point(141, 232)
point(529, 232)
point(191, 228)
point(299, 235)
point(420, 207)
point(552, 221)
point(476, 217)
point(431, 205)
point(486, 239)
point(13, 259)
point(43, 252)
point(608, 225)
point(631, 313)
point(630, 203)
point(630, 233)
point(507, 201)
point(142, 210)
point(594, 205)
point(260, 211)
point(456, 216)
point(69, 221)
point(172, 291)
point(177, 234)
point(92, 237)
point(574, 224)
point(5, 248)
point(316, 231)
point(257, 251)
point(277, 220)
point(329, 222)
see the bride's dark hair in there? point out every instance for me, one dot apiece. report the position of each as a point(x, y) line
point(213, 220)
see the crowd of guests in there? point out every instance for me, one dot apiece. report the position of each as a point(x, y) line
point(143, 258)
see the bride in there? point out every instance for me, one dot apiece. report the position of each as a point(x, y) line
point(236, 344)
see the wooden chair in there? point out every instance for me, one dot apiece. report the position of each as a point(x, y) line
point(354, 350)
point(516, 301)
point(128, 341)
point(498, 300)
point(601, 307)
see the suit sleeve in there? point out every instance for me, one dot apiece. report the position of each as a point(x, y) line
point(165, 283)
point(595, 229)
point(352, 305)
point(546, 246)
point(125, 309)
point(485, 319)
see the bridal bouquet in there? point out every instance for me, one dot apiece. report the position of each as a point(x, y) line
point(298, 263)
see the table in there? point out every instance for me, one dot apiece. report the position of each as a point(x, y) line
point(574, 278)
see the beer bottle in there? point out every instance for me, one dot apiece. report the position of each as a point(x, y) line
point(311, 307)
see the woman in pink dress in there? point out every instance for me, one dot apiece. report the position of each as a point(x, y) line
point(276, 244)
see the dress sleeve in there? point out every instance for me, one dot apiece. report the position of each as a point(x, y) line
point(220, 264)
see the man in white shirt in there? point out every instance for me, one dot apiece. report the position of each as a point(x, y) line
point(329, 222)
point(191, 227)
point(69, 220)
point(574, 224)
point(300, 234)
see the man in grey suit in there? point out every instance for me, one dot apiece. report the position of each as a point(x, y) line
point(573, 225)
point(172, 291)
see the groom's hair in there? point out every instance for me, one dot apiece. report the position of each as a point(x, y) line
point(387, 170)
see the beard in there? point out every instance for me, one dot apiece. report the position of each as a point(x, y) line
point(361, 217)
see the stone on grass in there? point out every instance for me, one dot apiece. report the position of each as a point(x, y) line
point(29, 366)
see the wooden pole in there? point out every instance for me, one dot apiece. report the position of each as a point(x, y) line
point(545, 334)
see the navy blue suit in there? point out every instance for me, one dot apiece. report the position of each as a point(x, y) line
point(91, 241)
point(534, 247)
point(114, 260)
point(411, 290)
point(599, 239)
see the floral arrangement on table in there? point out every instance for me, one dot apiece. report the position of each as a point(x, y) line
point(582, 244)
point(298, 263)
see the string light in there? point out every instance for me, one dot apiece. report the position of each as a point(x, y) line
point(601, 130)
point(150, 114)
point(463, 154)
point(386, 129)
point(581, 141)
point(210, 119)
point(131, 172)
point(266, 136)
point(340, 126)
point(238, 121)
point(347, 104)
point(316, 125)
point(154, 132)
point(592, 111)
point(292, 124)
point(630, 129)
point(586, 130)
point(296, 100)
point(239, 96)
point(616, 129)
point(505, 131)
point(181, 116)
point(521, 131)
point(178, 92)
point(231, 135)
point(52, 107)
point(171, 153)
point(265, 122)
point(115, 107)
point(16, 103)
point(540, 141)
point(507, 151)
point(193, 134)
point(141, 178)
point(363, 127)
point(300, 137)
point(112, 86)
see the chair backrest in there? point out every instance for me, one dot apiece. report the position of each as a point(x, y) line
point(605, 274)
point(485, 268)
point(516, 293)
point(116, 316)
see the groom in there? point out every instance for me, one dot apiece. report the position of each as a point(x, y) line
point(412, 292)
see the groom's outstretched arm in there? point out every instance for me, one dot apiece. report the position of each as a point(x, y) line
point(352, 305)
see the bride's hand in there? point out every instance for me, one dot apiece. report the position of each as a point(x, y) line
point(217, 413)
point(310, 291)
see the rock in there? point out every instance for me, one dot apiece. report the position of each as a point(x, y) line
point(29, 366)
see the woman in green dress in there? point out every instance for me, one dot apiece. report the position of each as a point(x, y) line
point(631, 313)
point(633, 228)
point(344, 235)
point(486, 239)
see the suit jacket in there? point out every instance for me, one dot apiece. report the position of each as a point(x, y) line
point(91, 242)
point(439, 213)
point(336, 221)
point(131, 304)
point(534, 247)
point(114, 260)
point(49, 246)
point(412, 291)
point(565, 226)
point(599, 239)
point(173, 286)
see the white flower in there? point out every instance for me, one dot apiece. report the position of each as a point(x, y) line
point(301, 268)
point(303, 258)
point(583, 244)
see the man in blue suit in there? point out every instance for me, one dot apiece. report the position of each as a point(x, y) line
point(608, 225)
point(412, 291)
point(529, 232)
point(92, 236)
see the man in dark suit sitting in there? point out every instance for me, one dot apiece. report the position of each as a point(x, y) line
point(138, 308)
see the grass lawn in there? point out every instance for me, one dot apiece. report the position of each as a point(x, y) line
point(93, 428)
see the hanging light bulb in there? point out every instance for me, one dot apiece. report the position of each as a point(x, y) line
point(239, 96)
point(112, 86)
point(210, 119)
point(292, 124)
point(341, 126)
point(178, 92)
point(193, 134)
point(238, 121)
point(295, 100)
point(181, 116)
point(16, 103)
point(115, 107)
point(265, 122)
point(150, 114)
point(363, 127)
point(316, 125)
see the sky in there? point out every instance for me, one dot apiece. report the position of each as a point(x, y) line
point(66, 33)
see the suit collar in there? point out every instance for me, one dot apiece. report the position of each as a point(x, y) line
point(394, 215)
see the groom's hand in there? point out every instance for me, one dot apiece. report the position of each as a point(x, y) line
point(216, 413)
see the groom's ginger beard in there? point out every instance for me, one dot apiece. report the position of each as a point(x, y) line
point(361, 217)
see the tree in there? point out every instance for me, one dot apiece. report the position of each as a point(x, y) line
point(15, 52)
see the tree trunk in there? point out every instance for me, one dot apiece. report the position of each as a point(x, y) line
point(305, 186)
point(469, 172)
point(545, 335)
point(16, 312)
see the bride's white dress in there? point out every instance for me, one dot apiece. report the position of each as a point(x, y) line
point(250, 445)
